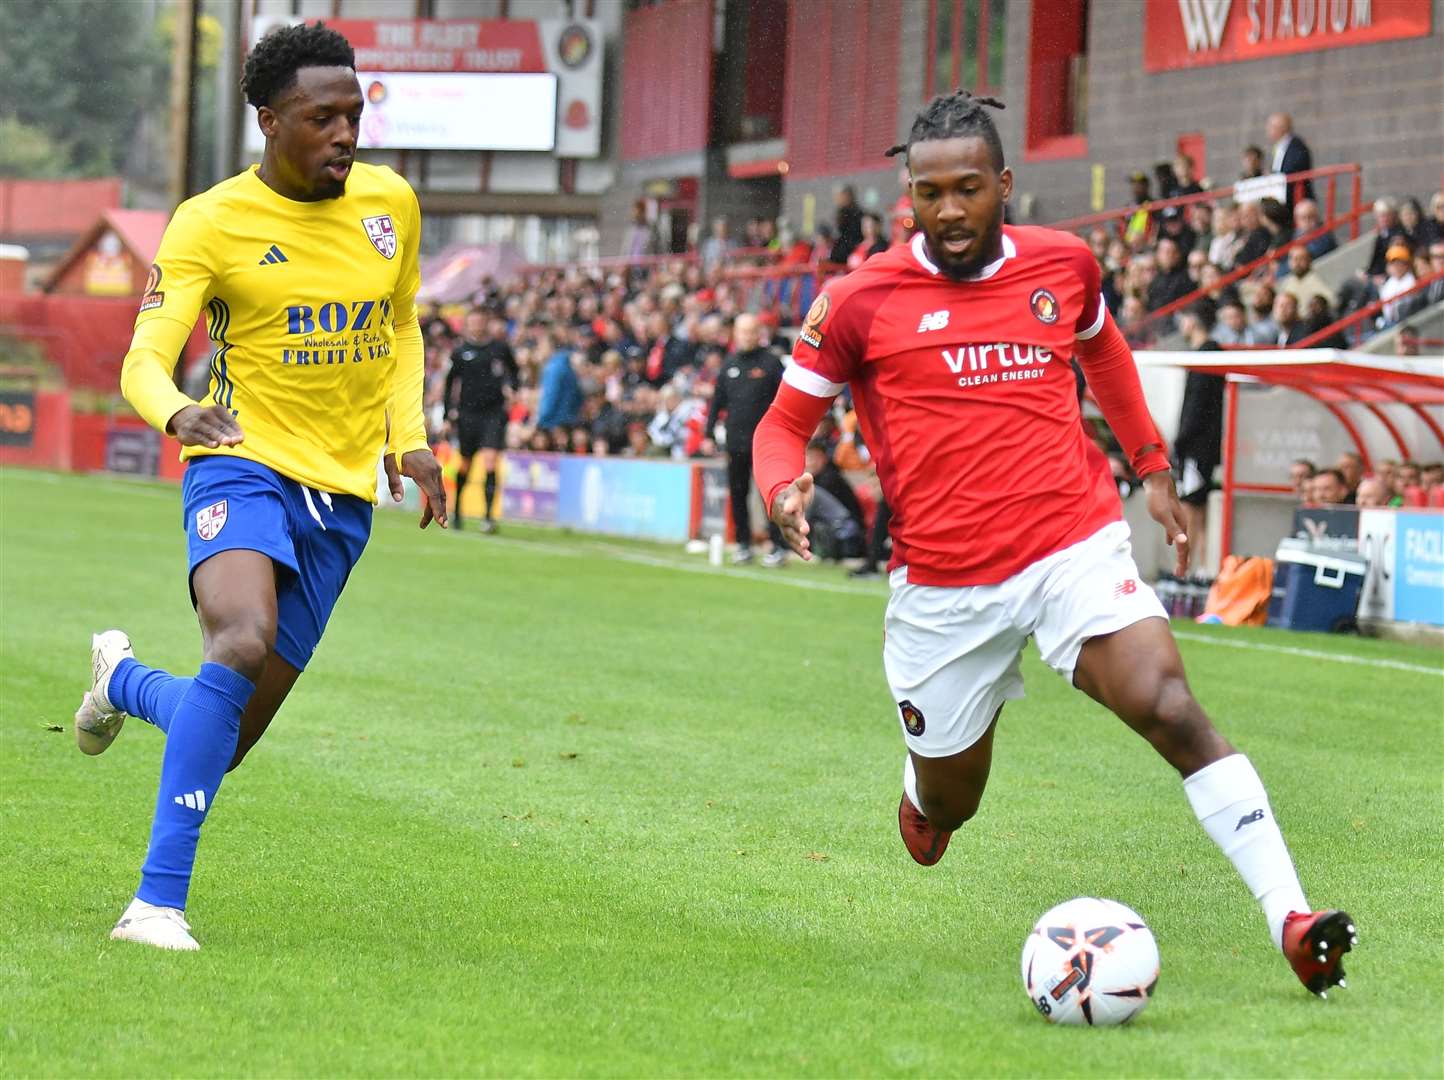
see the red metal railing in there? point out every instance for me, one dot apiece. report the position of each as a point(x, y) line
point(1333, 175)
point(1349, 322)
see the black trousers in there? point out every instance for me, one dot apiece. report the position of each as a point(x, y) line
point(739, 485)
point(877, 543)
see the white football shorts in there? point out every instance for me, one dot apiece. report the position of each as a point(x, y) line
point(952, 654)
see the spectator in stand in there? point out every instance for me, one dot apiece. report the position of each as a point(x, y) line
point(1431, 475)
point(1174, 227)
point(872, 241)
point(1306, 220)
point(1399, 266)
point(748, 382)
point(1289, 155)
point(1406, 477)
point(1184, 180)
point(1386, 230)
point(1261, 325)
point(1304, 281)
point(1301, 475)
point(1278, 221)
point(1317, 316)
point(1196, 261)
point(1373, 493)
point(1256, 237)
point(1172, 282)
point(1252, 160)
point(835, 514)
point(1137, 227)
point(668, 427)
point(1435, 292)
point(1200, 221)
point(641, 238)
point(1385, 472)
point(849, 224)
point(1227, 237)
point(1210, 279)
point(1433, 228)
point(1290, 325)
point(716, 247)
point(1197, 448)
point(1327, 488)
point(903, 222)
point(1351, 467)
point(1232, 327)
point(1098, 240)
point(1411, 224)
point(1406, 341)
point(560, 403)
point(1132, 315)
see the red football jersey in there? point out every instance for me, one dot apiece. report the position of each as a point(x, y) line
point(968, 401)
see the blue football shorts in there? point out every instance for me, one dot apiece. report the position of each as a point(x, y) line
point(314, 537)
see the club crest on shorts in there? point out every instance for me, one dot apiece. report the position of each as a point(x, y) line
point(912, 718)
point(211, 520)
point(1044, 306)
point(382, 233)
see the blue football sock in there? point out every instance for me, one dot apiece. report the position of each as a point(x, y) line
point(146, 692)
point(199, 746)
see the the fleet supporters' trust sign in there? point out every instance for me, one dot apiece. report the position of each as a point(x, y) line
point(1194, 33)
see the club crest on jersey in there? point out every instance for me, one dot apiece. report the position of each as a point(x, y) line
point(211, 520)
point(811, 331)
point(1044, 306)
point(382, 234)
point(912, 718)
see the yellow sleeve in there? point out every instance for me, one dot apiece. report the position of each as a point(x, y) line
point(180, 280)
point(407, 421)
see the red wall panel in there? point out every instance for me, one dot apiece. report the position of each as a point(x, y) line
point(666, 79)
point(842, 86)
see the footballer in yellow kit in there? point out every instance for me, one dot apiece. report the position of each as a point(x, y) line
point(306, 270)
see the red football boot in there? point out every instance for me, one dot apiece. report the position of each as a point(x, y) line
point(924, 843)
point(1315, 943)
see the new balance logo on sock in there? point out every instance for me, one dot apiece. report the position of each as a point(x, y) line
point(273, 256)
point(196, 800)
point(1247, 819)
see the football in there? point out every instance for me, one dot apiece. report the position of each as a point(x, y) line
point(1090, 961)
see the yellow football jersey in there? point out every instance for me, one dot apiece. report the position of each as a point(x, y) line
point(311, 312)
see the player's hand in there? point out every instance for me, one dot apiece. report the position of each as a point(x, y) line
point(212, 427)
point(421, 466)
point(1164, 508)
point(789, 513)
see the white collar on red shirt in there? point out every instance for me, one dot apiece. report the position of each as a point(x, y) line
point(920, 253)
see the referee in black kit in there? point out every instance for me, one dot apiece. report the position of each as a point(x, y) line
point(746, 386)
point(479, 387)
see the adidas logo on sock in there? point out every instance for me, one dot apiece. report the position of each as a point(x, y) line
point(196, 800)
point(274, 255)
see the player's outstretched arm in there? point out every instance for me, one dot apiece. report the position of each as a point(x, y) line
point(1113, 377)
point(777, 459)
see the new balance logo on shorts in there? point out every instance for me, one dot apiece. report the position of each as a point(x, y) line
point(934, 320)
point(1249, 819)
point(196, 799)
point(1125, 588)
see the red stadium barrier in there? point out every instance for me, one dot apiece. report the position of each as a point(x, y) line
point(1368, 311)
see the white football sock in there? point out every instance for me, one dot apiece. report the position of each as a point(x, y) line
point(1229, 800)
point(910, 783)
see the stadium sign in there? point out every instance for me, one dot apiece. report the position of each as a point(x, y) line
point(1195, 33)
point(474, 84)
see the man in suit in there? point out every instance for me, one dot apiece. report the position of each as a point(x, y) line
point(1289, 155)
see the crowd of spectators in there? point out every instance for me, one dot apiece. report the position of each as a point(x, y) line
point(1157, 256)
point(1345, 483)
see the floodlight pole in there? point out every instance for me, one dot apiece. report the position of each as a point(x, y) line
point(182, 99)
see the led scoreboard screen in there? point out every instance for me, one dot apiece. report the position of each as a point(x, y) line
point(459, 111)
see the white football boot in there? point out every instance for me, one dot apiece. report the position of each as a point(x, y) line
point(161, 927)
point(97, 721)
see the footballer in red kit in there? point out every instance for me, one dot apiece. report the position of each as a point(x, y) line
point(957, 348)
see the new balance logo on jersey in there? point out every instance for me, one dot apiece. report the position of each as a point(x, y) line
point(196, 799)
point(272, 256)
point(1125, 588)
point(934, 320)
point(1249, 819)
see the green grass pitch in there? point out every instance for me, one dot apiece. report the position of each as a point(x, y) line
point(556, 806)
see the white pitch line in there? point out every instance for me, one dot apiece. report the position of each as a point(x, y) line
point(780, 577)
point(1316, 654)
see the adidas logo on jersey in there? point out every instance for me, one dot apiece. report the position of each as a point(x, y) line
point(272, 256)
point(196, 799)
point(934, 320)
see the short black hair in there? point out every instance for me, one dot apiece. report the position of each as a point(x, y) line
point(271, 67)
point(955, 116)
point(1205, 311)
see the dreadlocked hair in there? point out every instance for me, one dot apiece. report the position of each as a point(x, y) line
point(952, 116)
point(271, 67)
